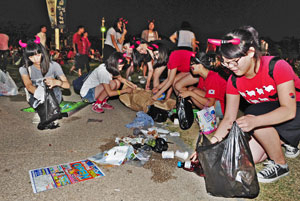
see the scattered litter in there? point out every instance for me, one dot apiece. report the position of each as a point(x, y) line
point(115, 156)
point(183, 155)
point(61, 175)
point(141, 120)
point(116, 189)
point(167, 154)
point(176, 122)
point(175, 134)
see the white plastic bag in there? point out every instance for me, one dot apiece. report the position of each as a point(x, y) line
point(207, 120)
point(7, 85)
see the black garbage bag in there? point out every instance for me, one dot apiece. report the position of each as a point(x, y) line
point(228, 165)
point(160, 145)
point(157, 114)
point(49, 111)
point(185, 113)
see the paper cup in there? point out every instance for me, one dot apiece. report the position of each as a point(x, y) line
point(167, 154)
point(182, 154)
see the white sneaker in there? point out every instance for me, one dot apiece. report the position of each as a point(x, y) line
point(290, 151)
point(36, 118)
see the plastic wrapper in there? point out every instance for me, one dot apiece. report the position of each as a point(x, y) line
point(7, 85)
point(228, 165)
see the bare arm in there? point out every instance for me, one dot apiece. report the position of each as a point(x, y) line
point(173, 38)
point(115, 92)
point(285, 112)
point(200, 101)
point(168, 83)
point(62, 82)
point(113, 40)
point(232, 107)
point(150, 73)
point(28, 84)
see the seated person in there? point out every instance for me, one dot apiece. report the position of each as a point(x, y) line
point(104, 82)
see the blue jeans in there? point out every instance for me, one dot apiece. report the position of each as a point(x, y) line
point(90, 96)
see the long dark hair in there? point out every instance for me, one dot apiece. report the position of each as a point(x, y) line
point(211, 61)
point(115, 26)
point(33, 47)
point(112, 63)
point(248, 38)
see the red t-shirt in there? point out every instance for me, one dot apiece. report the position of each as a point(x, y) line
point(86, 45)
point(181, 60)
point(214, 86)
point(78, 43)
point(262, 88)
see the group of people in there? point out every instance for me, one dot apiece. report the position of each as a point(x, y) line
point(237, 69)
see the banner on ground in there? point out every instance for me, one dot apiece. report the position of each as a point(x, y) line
point(60, 175)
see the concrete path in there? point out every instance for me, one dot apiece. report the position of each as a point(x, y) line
point(23, 147)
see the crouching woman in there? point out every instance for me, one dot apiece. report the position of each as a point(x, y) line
point(39, 71)
point(104, 82)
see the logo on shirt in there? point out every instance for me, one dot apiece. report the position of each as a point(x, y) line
point(211, 91)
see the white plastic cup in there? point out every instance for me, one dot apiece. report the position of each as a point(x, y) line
point(167, 154)
point(182, 154)
point(176, 121)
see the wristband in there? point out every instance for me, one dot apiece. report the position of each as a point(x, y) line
point(119, 93)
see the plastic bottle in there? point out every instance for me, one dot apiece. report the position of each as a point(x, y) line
point(191, 167)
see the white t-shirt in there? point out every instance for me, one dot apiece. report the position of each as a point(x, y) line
point(43, 38)
point(120, 45)
point(99, 76)
point(36, 77)
point(185, 38)
point(108, 41)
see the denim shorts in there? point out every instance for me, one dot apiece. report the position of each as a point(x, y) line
point(90, 96)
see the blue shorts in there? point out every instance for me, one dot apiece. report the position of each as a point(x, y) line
point(90, 96)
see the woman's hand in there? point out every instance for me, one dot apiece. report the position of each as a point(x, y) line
point(194, 157)
point(155, 90)
point(51, 82)
point(128, 90)
point(247, 123)
point(147, 86)
point(184, 94)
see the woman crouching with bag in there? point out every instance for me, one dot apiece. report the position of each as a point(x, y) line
point(39, 73)
point(104, 82)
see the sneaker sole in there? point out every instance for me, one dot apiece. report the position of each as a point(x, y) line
point(262, 180)
point(107, 108)
point(97, 112)
point(293, 156)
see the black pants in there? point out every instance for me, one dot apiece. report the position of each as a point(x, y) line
point(3, 59)
point(288, 131)
point(107, 51)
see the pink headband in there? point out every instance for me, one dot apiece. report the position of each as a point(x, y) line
point(218, 42)
point(37, 41)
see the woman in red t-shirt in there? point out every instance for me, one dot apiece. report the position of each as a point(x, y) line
point(211, 87)
point(273, 118)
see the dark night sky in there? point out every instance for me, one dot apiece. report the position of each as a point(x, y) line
point(209, 18)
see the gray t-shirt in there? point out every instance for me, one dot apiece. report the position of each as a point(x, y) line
point(99, 76)
point(55, 71)
point(108, 41)
point(185, 38)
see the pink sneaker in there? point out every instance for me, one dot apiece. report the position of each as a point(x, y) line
point(97, 108)
point(107, 106)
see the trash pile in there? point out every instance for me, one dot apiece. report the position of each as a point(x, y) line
point(137, 148)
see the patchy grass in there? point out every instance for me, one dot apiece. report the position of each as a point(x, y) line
point(285, 189)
